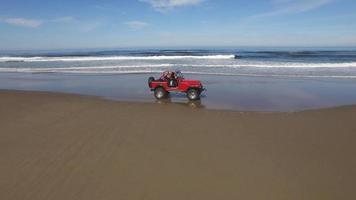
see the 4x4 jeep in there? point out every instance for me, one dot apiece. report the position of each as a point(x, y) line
point(175, 82)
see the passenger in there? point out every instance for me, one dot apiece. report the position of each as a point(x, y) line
point(164, 76)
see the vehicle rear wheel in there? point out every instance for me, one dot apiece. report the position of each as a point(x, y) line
point(150, 80)
point(160, 93)
point(193, 94)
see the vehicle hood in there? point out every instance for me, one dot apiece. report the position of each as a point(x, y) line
point(192, 82)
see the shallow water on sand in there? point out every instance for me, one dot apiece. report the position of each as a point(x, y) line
point(241, 93)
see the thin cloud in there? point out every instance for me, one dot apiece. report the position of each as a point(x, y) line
point(31, 23)
point(284, 7)
point(63, 19)
point(164, 5)
point(137, 25)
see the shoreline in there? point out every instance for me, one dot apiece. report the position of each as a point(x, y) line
point(195, 105)
point(61, 146)
point(228, 93)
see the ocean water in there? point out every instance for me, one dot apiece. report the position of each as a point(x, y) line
point(282, 62)
point(280, 79)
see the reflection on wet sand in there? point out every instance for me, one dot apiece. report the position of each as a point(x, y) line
point(191, 104)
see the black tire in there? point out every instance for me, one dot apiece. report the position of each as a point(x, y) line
point(160, 93)
point(150, 80)
point(193, 94)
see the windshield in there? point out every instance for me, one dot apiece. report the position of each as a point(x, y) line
point(179, 74)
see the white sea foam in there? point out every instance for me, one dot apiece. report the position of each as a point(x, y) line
point(109, 70)
point(296, 65)
point(110, 58)
point(96, 69)
point(196, 67)
point(273, 75)
point(280, 65)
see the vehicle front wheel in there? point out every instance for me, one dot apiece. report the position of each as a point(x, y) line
point(160, 93)
point(193, 94)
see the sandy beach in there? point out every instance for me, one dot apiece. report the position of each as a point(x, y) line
point(59, 146)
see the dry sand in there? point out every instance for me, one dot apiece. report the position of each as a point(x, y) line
point(58, 146)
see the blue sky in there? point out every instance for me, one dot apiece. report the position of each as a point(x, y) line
point(66, 24)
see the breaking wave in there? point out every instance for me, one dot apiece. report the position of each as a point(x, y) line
point(333, 64)
point(177, 66)
point(109, 58)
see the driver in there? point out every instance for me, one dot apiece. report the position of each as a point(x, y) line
point(172, 79)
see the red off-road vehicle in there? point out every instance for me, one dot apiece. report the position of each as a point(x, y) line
point(175, 82)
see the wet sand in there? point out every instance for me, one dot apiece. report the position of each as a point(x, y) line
point(58, 146)
point(240, 93)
